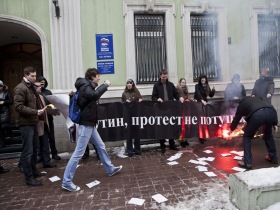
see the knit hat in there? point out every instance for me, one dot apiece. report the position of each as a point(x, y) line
point(1, 83)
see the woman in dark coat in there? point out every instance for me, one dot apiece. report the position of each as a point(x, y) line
point(202, 91)
point(5, 101)
point(131, 94)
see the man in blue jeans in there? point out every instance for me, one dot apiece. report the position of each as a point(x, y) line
point(256, 113)
point(87, 101)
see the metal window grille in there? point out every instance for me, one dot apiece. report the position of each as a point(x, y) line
point(205, 46)
point(269, 43)
point(150, 47)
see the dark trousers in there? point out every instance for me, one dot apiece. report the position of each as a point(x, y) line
point(52, 137)
point(28, 158)
point(162, 143)
point(129, 145)
point(44, 146)
point(264, 117)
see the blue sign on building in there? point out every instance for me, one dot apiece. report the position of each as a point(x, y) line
point(106, 67)
point(104, 46)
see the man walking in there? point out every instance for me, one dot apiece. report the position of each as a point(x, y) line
point(87, 101)
point(256, 113)
point(166, 91)
point(27, 112)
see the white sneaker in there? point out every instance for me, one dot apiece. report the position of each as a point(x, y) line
point(117, 169)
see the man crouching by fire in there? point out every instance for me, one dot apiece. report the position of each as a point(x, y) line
point(256, 113)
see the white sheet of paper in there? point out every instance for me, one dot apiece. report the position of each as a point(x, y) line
point(175, 157)
point(240, 153)
point(210, 174)
point(54, 178)
point(159, 198)
point(202, 168)
point(122, 155)
point(237, 158)
point(198, 162)
point(208, 151)
point(94, 183)
point(206, 159)
point(172, 163)
point(238, 169)
point(226, 154)
point(136, 201)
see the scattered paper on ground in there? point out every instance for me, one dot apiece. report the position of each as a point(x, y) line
point(159, 198)
point(208, 151)
point(226, 154)
point(175, 157)
point(136, 201)
point(122, 155)
point(210, 174)
point(238, 158)
point(206, 159)
point(54, 178)
point(240, 153)
point(92, 184)
point(172, 163)
point(238, 169)
point(198, 162)
point(202, 168)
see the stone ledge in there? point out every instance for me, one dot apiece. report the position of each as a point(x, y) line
point(255, 189)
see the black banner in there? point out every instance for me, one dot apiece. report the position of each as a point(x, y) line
point(170, 119)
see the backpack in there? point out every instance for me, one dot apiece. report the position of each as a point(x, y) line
point(74, 109)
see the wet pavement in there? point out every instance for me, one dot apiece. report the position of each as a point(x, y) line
point(141, 177)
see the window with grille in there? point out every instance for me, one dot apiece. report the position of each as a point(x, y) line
point(150, 47)
point(269, 43)
point(205, 46)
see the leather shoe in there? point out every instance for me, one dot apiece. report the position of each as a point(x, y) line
point(49, 165)
point(34, 182)
point(38, 174)
point(174, 147)
point(3, 170)
point(267, 157)
point(56, 157)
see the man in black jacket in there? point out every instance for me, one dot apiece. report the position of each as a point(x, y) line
point(87, 101)
point(257, 113)
point(264, 86)
point(166, 91)
point(45, 92)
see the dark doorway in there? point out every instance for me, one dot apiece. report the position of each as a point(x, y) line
point(13, 59)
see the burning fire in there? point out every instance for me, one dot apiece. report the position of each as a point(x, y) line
point(237, 132)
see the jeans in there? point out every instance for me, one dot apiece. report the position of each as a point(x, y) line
point(87, 133)
point(28, 158)
point(137, 147)
point(263, 117)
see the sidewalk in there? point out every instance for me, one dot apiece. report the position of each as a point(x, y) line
point(141, 177)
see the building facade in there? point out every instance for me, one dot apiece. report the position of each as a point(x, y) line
point(131, 39)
